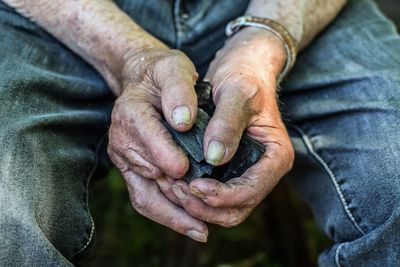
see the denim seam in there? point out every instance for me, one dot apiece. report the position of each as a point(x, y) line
point(89, 240)
point(332, 176)
point(337, 254)
point(96, 163)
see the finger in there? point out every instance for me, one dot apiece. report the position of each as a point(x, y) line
point(141, 166)
point(132, 161)
point(226, 217)
point(165, 184)
point(227, 124)
point(147, 135)
point(245, 191)
point(149, 201)
point(119, 162)
point(176, 77)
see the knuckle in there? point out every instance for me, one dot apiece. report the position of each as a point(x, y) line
point(194, 210)
point(235, 221)
point(155, 172)
point(250, 204)
point(139, 203)
point(175, 54)
point(236, 218)
point(178, 169)
point(170, 59)
point(231, 223)
point(173, 61)
point(138, 169)
point(181, 169)
point(117, 161)
point(127, 109)
point(288, 156)
point(146, 172)
point(248, 90)
point(214, 202)
point(117, 114)
point(291, 156)
point(175, 223)
point(110, 151)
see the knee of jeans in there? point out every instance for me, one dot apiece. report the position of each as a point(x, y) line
point(372, 203)
point(15, 232)
point(367, 215)
point(358, 191)
point(47, 196)
point(380, 202)
point(22, 243)
point(40, 204)
point(18, 227)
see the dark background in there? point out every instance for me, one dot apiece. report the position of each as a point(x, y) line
point(281, 231)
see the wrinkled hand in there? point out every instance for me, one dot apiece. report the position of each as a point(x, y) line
point(155, 82)
point(243, 76)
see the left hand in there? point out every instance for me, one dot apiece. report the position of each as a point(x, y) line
point(243, 75)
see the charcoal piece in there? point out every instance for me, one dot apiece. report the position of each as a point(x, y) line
point(192, 143)
point(248, 153)
point(204, 97)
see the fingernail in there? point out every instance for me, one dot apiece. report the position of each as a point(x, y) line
point(178, 191)
point(197, 193)
point(181, 115)
point(196, 235)
point(215, 152)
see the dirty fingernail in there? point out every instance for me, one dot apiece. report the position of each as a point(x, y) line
point(196, 235)
point(181, 115)
point(197, 193)
point(215, 152)
point(178, 192)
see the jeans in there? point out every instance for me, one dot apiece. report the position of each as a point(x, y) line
point(341, 105)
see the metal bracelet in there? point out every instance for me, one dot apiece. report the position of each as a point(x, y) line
point(275, 28)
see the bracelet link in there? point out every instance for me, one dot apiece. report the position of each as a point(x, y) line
point(275, 28)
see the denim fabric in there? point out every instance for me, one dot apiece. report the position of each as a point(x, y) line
point(342, 102)
point(341, 105)
point(54, 110)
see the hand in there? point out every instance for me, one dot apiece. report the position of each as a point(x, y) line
point(243, 76)
point(155, 81)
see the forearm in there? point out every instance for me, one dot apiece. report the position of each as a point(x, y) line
point(304, 19)
point(97, 30)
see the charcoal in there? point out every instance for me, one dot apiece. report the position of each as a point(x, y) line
point(248, 153)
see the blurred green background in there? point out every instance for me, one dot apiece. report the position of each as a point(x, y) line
point(280, 232)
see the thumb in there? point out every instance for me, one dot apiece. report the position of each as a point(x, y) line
point(176, 77)
point(226, 126)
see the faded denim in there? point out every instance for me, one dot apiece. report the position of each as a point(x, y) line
point(341, 105)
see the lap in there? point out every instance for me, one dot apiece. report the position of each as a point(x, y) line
point(54, 111)
point(342, 105)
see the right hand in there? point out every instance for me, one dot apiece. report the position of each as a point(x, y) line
point(155, 82)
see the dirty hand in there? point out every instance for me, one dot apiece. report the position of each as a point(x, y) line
point(243, 75)
point(155, 81)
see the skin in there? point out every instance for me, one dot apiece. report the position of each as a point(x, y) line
point(151, 79)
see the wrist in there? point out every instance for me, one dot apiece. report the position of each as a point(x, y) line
point(111, 46)
point(104, 36)
point(260, 46)
point(98, 31)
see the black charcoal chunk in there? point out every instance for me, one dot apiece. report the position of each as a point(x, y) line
point(248, 153)
point(192, 143)
point(204, 97)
